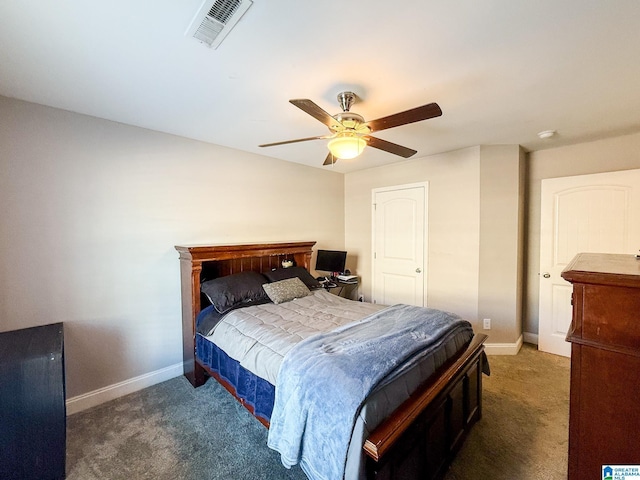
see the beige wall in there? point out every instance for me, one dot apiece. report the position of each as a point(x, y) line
point(453, 233)
point(500, 282)
point(91, 211)
point(475, 224)
point(608, 155)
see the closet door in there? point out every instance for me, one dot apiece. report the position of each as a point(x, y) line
point(399, 244)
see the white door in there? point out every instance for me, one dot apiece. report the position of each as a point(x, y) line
point(399, 244)
point(597, 213)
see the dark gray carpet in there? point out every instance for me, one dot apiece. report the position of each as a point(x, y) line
point(173, 431)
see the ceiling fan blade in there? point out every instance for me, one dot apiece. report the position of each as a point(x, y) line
point(316, 112)
point(330, 160)
point(409, 116)
point(294, 141)
point(389, 147)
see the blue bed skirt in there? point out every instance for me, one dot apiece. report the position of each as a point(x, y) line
point(255, 392)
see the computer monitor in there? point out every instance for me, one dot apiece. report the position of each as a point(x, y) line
point(331, 261)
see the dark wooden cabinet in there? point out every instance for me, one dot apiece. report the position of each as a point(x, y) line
point(32, 404)
point(604, 417)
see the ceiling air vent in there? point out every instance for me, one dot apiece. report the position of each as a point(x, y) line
point(215, 19)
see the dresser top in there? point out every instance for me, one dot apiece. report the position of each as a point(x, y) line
point(604, 269)
point(45, 340)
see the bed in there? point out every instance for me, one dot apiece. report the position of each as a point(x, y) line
point(422, 421)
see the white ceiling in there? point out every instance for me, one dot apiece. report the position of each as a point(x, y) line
point(501, 70)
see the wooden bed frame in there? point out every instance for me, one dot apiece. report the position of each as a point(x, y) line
point(420, 439)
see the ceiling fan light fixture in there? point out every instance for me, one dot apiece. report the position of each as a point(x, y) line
point(350, 133)
point(346, 147)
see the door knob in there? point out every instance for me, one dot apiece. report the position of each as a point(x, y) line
point(546, 275)
point(418, 270)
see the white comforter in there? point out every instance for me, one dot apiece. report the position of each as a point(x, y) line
point(258, 337)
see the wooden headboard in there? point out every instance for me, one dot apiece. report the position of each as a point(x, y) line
point(203, 262)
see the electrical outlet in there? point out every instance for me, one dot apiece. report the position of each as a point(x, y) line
point(486, 324)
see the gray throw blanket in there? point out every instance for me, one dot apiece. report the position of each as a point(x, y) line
point(324, 380)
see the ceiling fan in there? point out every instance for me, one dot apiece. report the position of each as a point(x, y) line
point(350, 133)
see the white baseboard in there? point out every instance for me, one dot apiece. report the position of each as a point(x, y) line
point(111, 392)
point(503, 348)
point(530, 338)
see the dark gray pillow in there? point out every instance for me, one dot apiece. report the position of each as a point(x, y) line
point(228, 292)
point(286, 290)
point(209, 317)
point(291, 272)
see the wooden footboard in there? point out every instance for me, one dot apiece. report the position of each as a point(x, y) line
point(420, 439)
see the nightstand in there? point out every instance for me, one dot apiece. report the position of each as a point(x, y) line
point(347, 290)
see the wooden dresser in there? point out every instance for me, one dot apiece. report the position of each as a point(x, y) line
point(604, 417)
